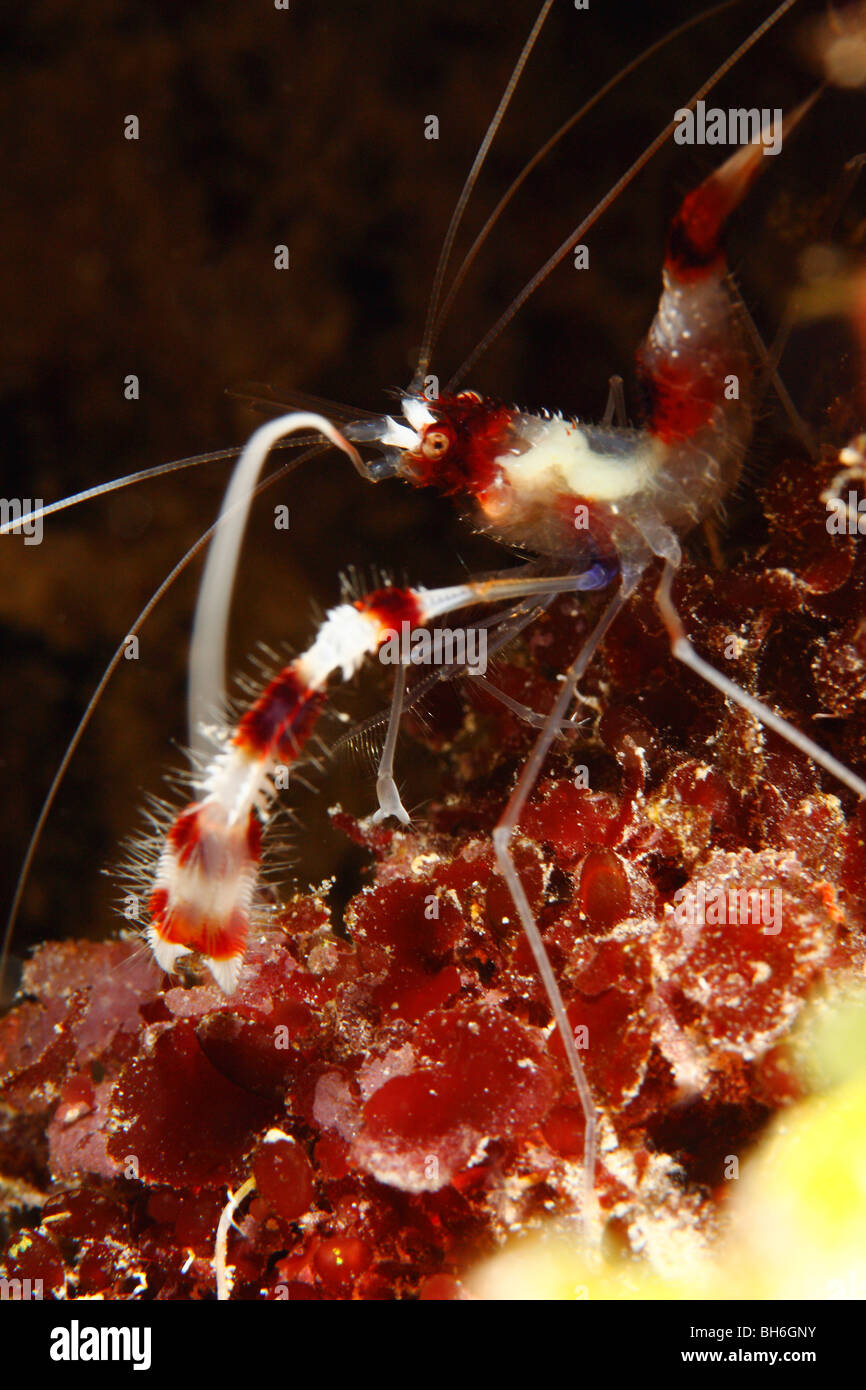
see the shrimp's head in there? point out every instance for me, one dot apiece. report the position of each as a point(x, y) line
point(452, 443)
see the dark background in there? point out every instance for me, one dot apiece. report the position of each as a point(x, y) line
point(156, 257)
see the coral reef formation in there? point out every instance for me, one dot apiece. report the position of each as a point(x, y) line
point(392, 1082)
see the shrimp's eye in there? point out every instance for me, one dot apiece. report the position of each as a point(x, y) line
point(435, 443)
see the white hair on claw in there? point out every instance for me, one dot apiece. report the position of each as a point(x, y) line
point(345, 638)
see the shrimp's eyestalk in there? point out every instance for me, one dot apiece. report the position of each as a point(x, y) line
point(450, 443)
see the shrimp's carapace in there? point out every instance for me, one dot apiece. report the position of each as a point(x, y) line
point(563, 488)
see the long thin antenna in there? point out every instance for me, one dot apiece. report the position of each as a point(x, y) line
point(457, 215)
point(115, 484)
point(257, 398)
point(36, 834)
point(611, 196)
point(554, 140)
point(207, 650)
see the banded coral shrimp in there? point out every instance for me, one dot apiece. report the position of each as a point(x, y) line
point(370, 284)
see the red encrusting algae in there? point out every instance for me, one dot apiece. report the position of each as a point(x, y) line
point(395, 1088)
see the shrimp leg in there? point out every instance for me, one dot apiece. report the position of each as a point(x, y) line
point(502, 836)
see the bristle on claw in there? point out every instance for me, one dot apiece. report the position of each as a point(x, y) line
point(206, 878)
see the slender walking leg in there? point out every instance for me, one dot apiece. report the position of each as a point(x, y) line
point(502, 836)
